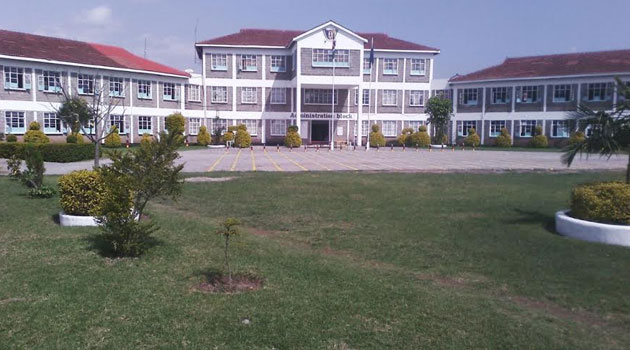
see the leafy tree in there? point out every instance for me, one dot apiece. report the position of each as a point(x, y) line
point(35, 135)
point(376, 137)
point(33, 176)
point(504, 140)
point(176, 124)
point(421, 138)
point(217, 131)
point(405, 137)
point(472, 140)
point(439, 110)
point(203, 137)
point(242, 138)
point(292, 138)
point(113, 139)
point(610, 132)
point(538, 140)
point(227, 229)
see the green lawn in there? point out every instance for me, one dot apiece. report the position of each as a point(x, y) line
point(351, 261)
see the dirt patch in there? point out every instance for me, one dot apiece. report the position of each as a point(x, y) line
point(558, 311)
point(220, 284)
point(263, 233)
point(209, 179)
point(457, 282)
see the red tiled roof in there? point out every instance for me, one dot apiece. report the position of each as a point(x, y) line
point(56, 49)
point(282, 38)
point(553, 65)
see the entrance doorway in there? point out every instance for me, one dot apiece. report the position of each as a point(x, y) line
point(319, 131)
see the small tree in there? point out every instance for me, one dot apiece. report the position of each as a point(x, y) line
point(35, 135)
point(113, 139)
point(227, 229)
point(217, 131)
point(203, 137)
point(33, 176)
point(472, 140)
point(242, 138)
point(421, 138)
point(376, 137)
point(610, 132)
point(439, 110)
point(176, 124)
point(504, 140)
point(292, 138)
point(538, 140)
point(405, 137)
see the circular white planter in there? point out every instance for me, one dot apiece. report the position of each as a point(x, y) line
point(438, 146)
point(75, 220)
point(215, 146)
point(592, 231)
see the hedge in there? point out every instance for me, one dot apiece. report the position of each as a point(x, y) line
point(604, 202)
point(52, 152)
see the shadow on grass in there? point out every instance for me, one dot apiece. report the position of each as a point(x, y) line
point(104, 248)
point(55, 218)
point(547, 221)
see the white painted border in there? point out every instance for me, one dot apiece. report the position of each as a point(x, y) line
point(75, 220)
point(592, 231)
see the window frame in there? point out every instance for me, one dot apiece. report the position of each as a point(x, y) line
point(14, 116)
point(389, 128)
point(58, 127)
point(532, 89)
point(387, 93)
point(365, 101)
point(194, 124)
point(465, 98)
point(366, 66)
point(86, 81)
point(250, 91)
point(272, 125)
point(494, 132)
point(462, 130)
point(119, 121)
point(320, 97)
point(253, 131)
point(273, 96)
point(20, 75)
point(393, 63)
point(118, 85)
point(213, 91)
point(421, 97)
point(555, 127)
point(530, 124)
point(220, 58)
point(566, 88)
point(415, 124)
point(278, 68)
point(602, 87)
point(322, 58)
point(46, 78)
point(248, 58)
point(496, 93)
point(172, 97)
point(144, 90)
point(148, 125)
point(418, 72)
point(196, 96)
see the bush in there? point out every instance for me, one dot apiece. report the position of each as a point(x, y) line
point(33, 176)
point(14, 166)
point(175, 123)
point(576, 137)
point(472, 140)
point(228, 136)
point(405, 137)
point(35, 135)
point(52, 152)
point(1, 136)
point(11, 138)
point(376, 137)
point(421, 138)
point(203, 137)
point(292, 138)
point(605, 202)
point(504, 140)
point(72, 138)
point(113, 139)
point(538, 140)
point(42, 192)
point(81, 192)
point(242, 139)
point(146, 138)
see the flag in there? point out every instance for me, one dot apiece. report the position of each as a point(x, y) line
point(372, 54)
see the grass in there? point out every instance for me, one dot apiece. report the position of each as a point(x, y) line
point(350, 261)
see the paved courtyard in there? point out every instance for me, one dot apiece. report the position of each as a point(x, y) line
point(410, 160)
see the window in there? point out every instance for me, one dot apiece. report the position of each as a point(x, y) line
point(16, 79)
point(416, 98)
point(390, 98)
point(219, 94)
point(144, 90)
point(356, 97)
point(366, 97)
point(14, 122)
point(278, 63)
point(418, 66)
point(49, 82)
point(465, 126)
point(598, 92)
point(249, 95)
point(218, 61)
point(390, 66)
point(559, 128)
point(529, 94)
point(170, 93)
point(85, 84)
point(365, 127)
point(116, 87)
point(389, 128)
point(145, 125)
point(562, 93)
point(193, 125)
point(220, 124)
point(495, 127)
point(249, 63)
point(499, 96)
point(118, 121)
point(324, 58)
point(194, 93)
point(278, 96)
point(469, 97)
point(251, 125)
point(415, 124)
point(52, 124)
point(527, 128)
point(278, 127)
point(366, 66)
point(320, 96)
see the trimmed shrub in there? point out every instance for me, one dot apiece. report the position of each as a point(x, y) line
point(538, 140)
point(11, 138)
point(52, 152)
point(146, 138)
point(376, 137)
point(421, 138)
point(242, 139)
point(81, 192)
point(472, 140)
point(35, 135)
point(504, 140)
point(605, 202)
point(228, 136)
point(113, 139)
point(405, 137)
point(292, 138)
point(203, 137)
point(72, 138)
point(175, 123)
point(576, 138)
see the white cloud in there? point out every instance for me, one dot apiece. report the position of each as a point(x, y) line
point(98, 16)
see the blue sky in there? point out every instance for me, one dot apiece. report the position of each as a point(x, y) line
point(471, 34)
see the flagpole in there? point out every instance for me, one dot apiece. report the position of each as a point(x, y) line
point(367, 146)
point(332, 116)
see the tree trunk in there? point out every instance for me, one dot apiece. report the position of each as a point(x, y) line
point(97, 152)
point(227, 261)
point(628, 170)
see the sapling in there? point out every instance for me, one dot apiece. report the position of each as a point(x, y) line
point(227, 229)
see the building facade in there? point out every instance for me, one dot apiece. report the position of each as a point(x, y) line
point(523, 93)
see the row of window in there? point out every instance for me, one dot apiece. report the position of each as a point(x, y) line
point(561, 93)
point(390, 66)
point(559, 128)
point(248, 63)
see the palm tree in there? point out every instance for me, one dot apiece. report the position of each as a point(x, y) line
point(610, 131)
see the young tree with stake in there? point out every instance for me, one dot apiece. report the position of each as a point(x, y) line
point(228, 229)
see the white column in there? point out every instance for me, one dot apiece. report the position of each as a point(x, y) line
point(512, 132)
point(453, 131)
point(264, 67)
point(513, 98)
point(182, 96)
point(359, 116)
point(131, 127)
point(203, 86)
point(483, 115)
point(34, 88)
point(298, 109)
point(264, 131)
point(545, 99)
